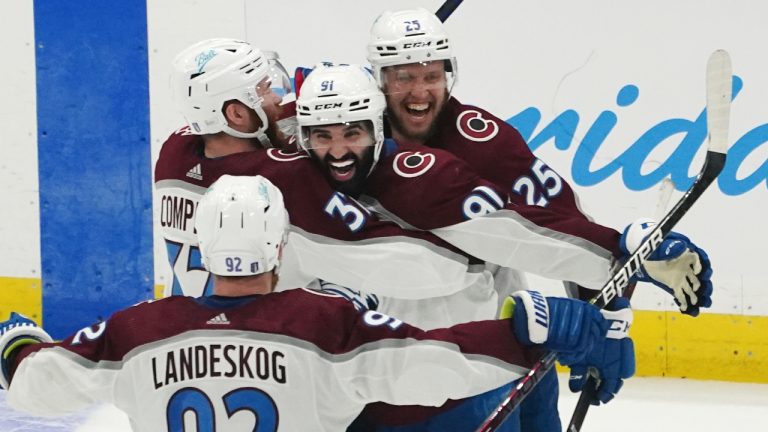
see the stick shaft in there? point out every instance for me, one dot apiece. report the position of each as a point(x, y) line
point(718, 116)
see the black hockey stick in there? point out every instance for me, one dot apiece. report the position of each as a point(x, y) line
point(447, 9)
point(719, 82)
point(718, 109)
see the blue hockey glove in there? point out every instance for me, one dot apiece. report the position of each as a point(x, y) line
point(677, 266)
point(612, 360)
point(14, 333)
point(569, 327)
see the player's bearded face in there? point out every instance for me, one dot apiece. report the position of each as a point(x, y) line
point(345, 151)
point(415, 94)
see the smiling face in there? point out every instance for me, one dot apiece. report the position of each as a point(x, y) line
point(416, 93)
point(345, 151)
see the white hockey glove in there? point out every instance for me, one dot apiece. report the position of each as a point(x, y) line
point(14, 333)
point(677, 266)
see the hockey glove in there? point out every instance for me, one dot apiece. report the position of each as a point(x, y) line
point(677, 266)
point(14, 333)
point(612, 360)
point(569, 327)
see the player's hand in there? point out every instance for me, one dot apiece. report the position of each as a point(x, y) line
point(14, 333)
point(570, 327)
point(677, 266)
point(612, 360)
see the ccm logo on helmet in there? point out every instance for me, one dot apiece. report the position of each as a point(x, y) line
point(416, 44)
point(474, 127)
point(413, 164)
point(328, 106)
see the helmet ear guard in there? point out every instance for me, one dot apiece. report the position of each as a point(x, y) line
point(212, 72)
point(336, 94)
point(241, 224)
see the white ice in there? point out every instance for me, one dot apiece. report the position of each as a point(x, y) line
point(644, 404)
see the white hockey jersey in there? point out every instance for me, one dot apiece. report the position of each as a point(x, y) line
point(289, 361)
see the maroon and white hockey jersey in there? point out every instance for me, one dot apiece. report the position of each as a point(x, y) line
point(431, 189)
point(332, 237)
point(494, 149)
point(288, 361)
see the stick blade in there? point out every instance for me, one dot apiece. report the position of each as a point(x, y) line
point(719, 87)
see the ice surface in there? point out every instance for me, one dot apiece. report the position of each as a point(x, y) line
point(644, 404)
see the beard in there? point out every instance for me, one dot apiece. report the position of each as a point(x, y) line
point(362, 165)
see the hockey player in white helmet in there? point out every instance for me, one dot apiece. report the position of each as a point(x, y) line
point(339, 111)
point(286, 361)
point(413, 61)
point(422, 112)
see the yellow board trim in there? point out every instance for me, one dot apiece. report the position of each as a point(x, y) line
point(22, 295)
point(710, 346)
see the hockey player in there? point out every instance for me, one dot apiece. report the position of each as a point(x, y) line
point(412, 60)
point(247, 358)
point(417, 71)
point(430, 189)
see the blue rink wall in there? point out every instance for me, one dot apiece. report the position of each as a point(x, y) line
point(94, 159)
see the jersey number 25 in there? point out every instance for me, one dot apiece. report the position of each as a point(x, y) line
point(538, 188)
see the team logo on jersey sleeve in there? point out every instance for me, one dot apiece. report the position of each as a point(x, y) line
point(284, 156)
point(412, 163)
point(474, 127)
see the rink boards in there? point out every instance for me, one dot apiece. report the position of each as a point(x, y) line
point(611, 106)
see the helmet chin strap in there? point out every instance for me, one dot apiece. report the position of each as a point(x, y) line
point(259, 133)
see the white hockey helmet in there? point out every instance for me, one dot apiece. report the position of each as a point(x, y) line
point(337, 94)
point(241, 226)
point(410, 36)
point(212, 72)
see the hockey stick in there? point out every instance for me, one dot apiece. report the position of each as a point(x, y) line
point(589, 393)
point(718, 113)
point(447, 9)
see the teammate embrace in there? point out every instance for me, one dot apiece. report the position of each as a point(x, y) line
point(427, 228)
